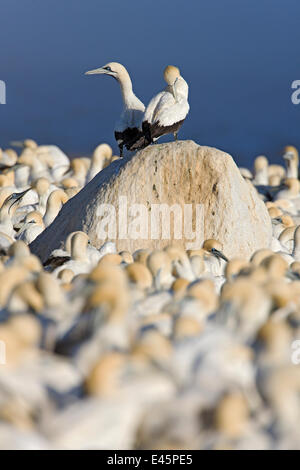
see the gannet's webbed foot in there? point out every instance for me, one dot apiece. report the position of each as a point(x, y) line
point(175, 136)
point(121, 151)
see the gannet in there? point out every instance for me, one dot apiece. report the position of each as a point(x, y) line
point(181, 263)
point(166, 111)
point(8, 158)
point(261, 171)
point(214, 258)
point(55, 202)
point(204, 296)
point(160, 265)
point(139, 275)
point(127, 257)
point(33, 226)
point(79, 261)
point(291, 158)
point(127, 128)
point(7, 211)
point(244, 307)
point(101, 158)
point(78, 171)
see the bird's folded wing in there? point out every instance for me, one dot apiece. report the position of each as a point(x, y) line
point(152, 106)
point(166, 101)
point(169, 115)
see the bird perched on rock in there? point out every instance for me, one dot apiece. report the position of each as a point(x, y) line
point(166, 111)
point(127, 128)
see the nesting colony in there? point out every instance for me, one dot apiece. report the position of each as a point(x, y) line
point(162, 349)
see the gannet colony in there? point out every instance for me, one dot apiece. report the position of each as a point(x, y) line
point(153, 346)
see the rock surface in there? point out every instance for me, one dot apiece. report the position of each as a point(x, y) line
point(181, 173)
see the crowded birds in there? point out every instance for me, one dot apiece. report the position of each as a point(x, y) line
point(140, 337)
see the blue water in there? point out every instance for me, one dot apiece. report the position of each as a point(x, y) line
point(239, 58)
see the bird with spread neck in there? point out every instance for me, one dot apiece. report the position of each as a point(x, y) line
point(127, 128)
point(166, 111)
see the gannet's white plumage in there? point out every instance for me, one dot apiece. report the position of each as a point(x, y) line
point(291, 157)
point(166, 111)
point(101, 157)
point(127, 128)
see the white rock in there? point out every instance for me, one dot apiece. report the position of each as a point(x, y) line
point(180, 173)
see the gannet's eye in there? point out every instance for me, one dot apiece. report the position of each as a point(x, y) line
point(108, 68)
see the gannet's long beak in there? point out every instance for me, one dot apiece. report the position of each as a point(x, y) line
point(96, 71)
point(219, 254)
point(17, 143)
point(15, 198)
point(174, 91)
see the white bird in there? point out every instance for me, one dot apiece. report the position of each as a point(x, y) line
point(214, 258)
point(261, 171)
point(7, 210)
point(83, 259)
point(55, 202)
point(101, 156)
point(8, 158)
point(128, 126)
point(33, 198)
point(296, 249)
point(291, 158)
point(32, 227)
point(166, 111)
point(295, 255)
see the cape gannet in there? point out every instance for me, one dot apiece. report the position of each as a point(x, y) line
point(166, 111)
point(291, 158)
point(127, 128)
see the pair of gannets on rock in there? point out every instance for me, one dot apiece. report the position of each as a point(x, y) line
point(139, 127)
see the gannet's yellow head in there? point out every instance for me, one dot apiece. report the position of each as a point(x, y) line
point(139, 275)
point(260, 163)
point(171, 73)
point(41, 185)
point(274, 212)
point(114, 69)
point(35, 217)
point(259, 255)
point(234, 267)
point(214, 247)
point(102, 152)
point(290, 153)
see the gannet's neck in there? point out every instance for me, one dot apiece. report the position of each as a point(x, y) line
point(129, 98)
point(292, 169)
